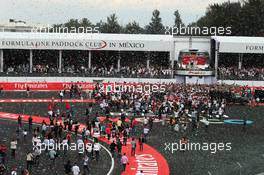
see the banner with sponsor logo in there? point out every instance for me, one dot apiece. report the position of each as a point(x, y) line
point(241, 48)
point(87, 86)
point(43, 86)
point(42, 41)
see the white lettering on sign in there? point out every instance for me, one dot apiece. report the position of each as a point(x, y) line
point(31, 85)
point(254, 47)
point(147, 163)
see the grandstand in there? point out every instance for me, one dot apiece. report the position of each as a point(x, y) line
point(130, 56)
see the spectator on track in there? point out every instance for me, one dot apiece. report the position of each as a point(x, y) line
point(29, 158)
point(19, 121)
point(68, 168)
point(75, 169)
point(13, 147)
point(133, 147)
point(86, 168)
point(14, 171)
point(30, 120)
point(2, 169)
point(124, 161)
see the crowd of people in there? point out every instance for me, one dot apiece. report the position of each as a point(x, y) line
point(182, 107)
point(132, 65)
point(125, 71)
point(233, 73)
point(134, 71)
point(53, 139)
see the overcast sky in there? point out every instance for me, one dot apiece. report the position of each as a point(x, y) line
point(60, 11)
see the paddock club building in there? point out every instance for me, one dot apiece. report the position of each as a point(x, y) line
point(174, 45)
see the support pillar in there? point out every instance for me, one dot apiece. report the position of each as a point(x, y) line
point(118, 61)
point(60, 60)
point(216, 58)
point(1, 60)
point(30, 61)
point(190, 42)
point(172, 59)
point(89, 59)
point(172, 55)
point(148, 63)
point(118, 64)
point(240, 60)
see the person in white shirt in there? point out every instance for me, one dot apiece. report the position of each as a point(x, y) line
point(145, 132)
point(97, 148)
point(76, 169)
point(145, 121)
point(89, 149)
point(61, 95)
point(44, 128)
point(177, 127)
point(87, 133)
point(124, 161)
point(25, 134)
point(51, 143)
point(220, 112)
point(46, 143)
point(14, 171)
point(86, 168)
point(13, 147)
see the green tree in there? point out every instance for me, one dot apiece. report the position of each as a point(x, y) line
point(86, 23)
point(112, 25)
point(222, 15)
point(252, 18)
point(72, 23)
point(178, 21)
point(155, 26)
point(133, 28)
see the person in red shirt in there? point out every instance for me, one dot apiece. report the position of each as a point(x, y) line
point(108, 132)
point(109, 125)
point(68, 137)
point(68, 106)
point(85, 141)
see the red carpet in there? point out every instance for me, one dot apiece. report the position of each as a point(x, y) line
point(149, 160)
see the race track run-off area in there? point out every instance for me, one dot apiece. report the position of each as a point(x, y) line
point(149, 160)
